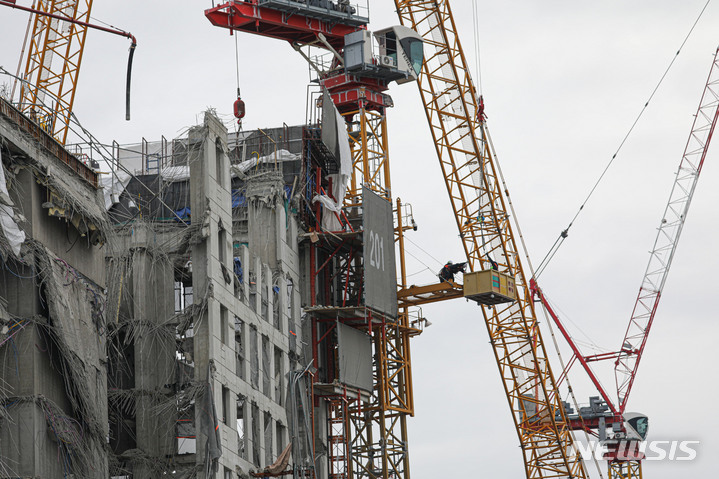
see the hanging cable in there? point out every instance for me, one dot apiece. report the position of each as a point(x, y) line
point(563, 235)
point(427, 267)
point(531, 269)
point(589, 342)
point(237, 65)
point(424, 251)
point(129, 78)
point(575, 403)
point(113, 30)
point(477, 62)
point(239, 105)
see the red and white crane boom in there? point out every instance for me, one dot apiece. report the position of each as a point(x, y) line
point(627, 358)
point(669, 231)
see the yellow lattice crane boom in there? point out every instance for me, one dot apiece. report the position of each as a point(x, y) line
point(53, 63)
point(475, 187)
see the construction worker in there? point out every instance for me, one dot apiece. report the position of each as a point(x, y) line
point(450, 269)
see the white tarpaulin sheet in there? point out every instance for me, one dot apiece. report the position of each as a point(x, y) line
point(330, 221)
point(344, 146)
point(278, 156)
point(112, 187)
point(12, 232)
point(175, 173)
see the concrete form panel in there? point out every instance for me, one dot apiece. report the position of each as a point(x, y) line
point(380, 277)
point(354, 348)
point(329, 124)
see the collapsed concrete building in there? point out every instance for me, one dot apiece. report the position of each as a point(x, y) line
point(188, 317)
point(54, 420)
point(206, 304)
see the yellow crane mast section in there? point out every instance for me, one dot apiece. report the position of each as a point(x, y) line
point(53, 64)
point(468, 164)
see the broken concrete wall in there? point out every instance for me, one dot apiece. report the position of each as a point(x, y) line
point(212, 279)
point(59, 213)
point(52, 336)
point(201, 327)
point(151, 314)
point(53, 363)
point(142, 331)
point(242, 346)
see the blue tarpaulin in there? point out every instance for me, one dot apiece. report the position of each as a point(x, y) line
point(184, 213)
point(238, 199)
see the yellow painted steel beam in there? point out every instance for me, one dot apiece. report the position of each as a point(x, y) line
point(378, 430)
point(431, 293)
point(53, 65)
point(625, 470)
point(475, 188)
point(370, 160)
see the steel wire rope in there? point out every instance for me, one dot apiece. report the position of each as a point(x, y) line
point(95, 19)
point(565, 232)
point(424, 251)
point(571, 391)
point(70, 19)
point(237, 65)
point(531, 269)
point(563, 235)
point(94, 144)
point(238, 123)
point(477, 58)
point(418, 272)
point(589, 341)
point(422, 262)
point(426, 266)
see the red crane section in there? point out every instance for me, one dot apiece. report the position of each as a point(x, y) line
point(627, 358)
point(366, 433)
point(282, 20)
point(669, 231)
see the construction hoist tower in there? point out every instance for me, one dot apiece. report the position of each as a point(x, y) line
point(497, 281)
point(351, 304)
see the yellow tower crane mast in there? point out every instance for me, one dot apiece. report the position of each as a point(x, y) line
point(477, 194)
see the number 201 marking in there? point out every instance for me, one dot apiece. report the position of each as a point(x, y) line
point(376, 250)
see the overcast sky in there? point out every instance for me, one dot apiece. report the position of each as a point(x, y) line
point(563, 81)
